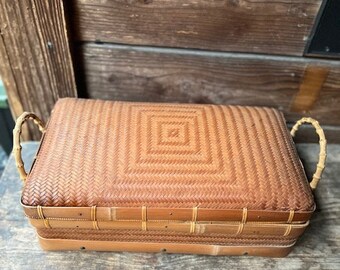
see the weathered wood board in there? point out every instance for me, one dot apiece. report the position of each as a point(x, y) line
point(297, 86)
point(257, 26)
point(35, 59)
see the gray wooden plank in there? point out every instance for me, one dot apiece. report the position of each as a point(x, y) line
point(270, 27)
point(318, 248)
point(120, 72)
point(36, 65)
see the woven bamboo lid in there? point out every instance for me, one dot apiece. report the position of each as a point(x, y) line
point(102, 153)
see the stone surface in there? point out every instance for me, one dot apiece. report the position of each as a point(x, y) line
point(3, 160)
point(318, 248)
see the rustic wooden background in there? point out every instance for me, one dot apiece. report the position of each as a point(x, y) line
point(248, 52)
point(221, 51)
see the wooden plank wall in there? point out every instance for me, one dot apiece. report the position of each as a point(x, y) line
point(167, 75)
point(35, 60)
point(222, 51)
point(257, 26)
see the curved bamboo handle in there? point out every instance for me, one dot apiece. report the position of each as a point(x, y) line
point(323, 151)
point(16, 140)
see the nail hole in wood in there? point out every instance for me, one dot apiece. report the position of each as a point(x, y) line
point(163, 250)
point(82, 248)
point(245, 253)
point(49, 44)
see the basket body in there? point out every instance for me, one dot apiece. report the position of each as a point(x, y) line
point(204, 179)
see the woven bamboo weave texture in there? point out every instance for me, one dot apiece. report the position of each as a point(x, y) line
point(168, 237)
point(103, 153)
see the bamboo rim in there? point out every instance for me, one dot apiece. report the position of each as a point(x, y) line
point(16, 139)
point(323, 147)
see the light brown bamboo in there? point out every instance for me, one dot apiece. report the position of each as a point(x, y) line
point(29, 115)
point(323, 147)
point(16, 139)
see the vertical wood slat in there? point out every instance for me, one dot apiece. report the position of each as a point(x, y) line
point(36, 64)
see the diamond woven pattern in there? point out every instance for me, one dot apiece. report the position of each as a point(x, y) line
point(128, 154)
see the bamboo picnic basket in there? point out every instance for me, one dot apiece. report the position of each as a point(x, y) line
point(177, 178)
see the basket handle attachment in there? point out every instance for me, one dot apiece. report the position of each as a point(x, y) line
point(16, 139)
point(323, 145)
